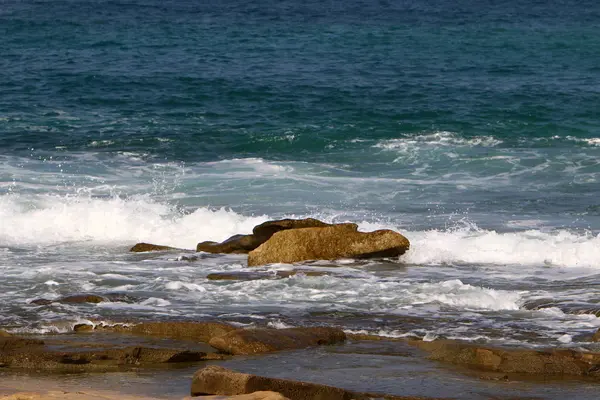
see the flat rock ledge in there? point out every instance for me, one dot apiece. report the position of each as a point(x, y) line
point(221, 381)
point(550, 362)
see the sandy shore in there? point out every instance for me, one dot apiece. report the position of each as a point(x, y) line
point(24, 387)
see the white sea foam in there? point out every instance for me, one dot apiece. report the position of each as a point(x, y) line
point(47, 219)
point(475, 246)
point(50, 219)
point(442, 138)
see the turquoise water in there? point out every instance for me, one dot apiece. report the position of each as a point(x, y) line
point(471, 128)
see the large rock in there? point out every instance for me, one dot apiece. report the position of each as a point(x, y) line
point(328, 243)
point(551, 362)
point(261, 233)
point(253, 341)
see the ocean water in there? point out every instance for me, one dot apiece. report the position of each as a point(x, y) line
point(471, 127)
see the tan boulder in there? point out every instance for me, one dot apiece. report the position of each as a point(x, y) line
point(328, 243)
point(253, 341)
point(144, 247)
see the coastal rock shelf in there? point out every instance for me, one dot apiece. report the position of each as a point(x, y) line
point(290, 241)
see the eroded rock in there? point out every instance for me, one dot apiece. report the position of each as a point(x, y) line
point(145, 247)
point(328, 243)
point(254, 341)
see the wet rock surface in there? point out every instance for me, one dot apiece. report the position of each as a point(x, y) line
point(86, 298)
point(255, 341)
point(145, 247)
point(250, 276)
point(242, 244)
point(328, 243)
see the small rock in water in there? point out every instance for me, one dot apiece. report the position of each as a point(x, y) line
point(144, 247)
point(83, 328)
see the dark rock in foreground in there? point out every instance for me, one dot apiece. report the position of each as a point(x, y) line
point(328, 243)
point(23, 353)
point(144, 247)
point(242, 244)
point(222, 381)
point(254, 341)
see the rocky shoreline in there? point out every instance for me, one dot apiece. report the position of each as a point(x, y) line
point(135, 346)
point(117, 346)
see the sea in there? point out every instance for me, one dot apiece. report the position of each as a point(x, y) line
point(472, 128)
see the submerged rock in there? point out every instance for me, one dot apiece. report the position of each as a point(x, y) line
point(249, 276)
point(74, 299)
point(328, 243)
point(254, 341)
point(242, 244)
point(144, 247)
